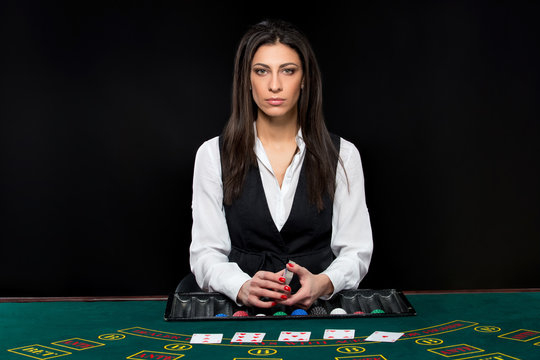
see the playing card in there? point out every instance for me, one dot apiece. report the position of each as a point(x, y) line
point(384, 336)
point(294, 336)
point(206, 339)
point(330, 334)
point(247, 337)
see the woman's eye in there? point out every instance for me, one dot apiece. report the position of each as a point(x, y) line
point(288, 71)
point(260, 71)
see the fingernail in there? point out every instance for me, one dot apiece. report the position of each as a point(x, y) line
point(284, 297)
point(274, 304)
point(282, 279)
point(287, 288)
point(291, 265)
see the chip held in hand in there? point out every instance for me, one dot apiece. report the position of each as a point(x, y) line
point(287, 274)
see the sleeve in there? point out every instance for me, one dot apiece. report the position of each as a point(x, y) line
point(352, 241)
point(210, 242)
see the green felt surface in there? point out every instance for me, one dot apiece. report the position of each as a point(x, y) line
point(36, 330)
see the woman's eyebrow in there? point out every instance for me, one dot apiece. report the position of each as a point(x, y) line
point(280, 66)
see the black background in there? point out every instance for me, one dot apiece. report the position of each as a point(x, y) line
point(103, 108)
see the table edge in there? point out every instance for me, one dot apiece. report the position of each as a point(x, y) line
point(29, 299)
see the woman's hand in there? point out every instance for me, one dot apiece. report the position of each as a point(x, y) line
point(264, 284)
point(312, 287)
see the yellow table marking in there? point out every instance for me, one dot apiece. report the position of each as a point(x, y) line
point(429, 341)
point(262, 351)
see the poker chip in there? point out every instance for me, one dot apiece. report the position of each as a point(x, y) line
point(240, 313)
point(377, 311)
point(318, 310)
point(299, 312)
point(338, 311)
point(288, 274)
point(280, 313)
point(221, 315)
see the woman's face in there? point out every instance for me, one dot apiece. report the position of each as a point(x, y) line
point(276, 80)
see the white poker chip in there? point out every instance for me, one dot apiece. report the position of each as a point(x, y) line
point(338, 311)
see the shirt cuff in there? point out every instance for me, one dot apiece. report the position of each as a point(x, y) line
point(337, 281)
point(230, 282)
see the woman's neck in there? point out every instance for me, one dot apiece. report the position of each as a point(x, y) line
point(276, 130)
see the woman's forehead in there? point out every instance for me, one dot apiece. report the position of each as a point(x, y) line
point(276, 55)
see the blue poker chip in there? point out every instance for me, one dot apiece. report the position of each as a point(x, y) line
point(221, 315)
point(299, 312)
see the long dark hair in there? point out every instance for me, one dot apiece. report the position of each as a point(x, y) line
point(237, 154)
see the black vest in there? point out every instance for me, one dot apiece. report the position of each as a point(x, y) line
point(257, 244)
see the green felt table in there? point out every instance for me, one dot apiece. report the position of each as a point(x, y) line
point(494, 325)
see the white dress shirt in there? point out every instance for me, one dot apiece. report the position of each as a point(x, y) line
point(351, 241)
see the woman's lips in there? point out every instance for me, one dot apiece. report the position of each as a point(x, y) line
point(275, 101)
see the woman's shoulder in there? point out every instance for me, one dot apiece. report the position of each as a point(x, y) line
point(208, 151)
point(352, 163)
point(347, 149)
point(209, 146)
point(207, 160)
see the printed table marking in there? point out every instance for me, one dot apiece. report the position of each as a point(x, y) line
point(439, 329)
point(451, 326)
point(455, 350)
point(521, 334)
point(429, 341)
point(78, 344)
point(156, 355)
point(487, 329)
point(37, 351)
point(112, 337)
point(156, 334)
point(350, 349)
point(362, 357)
point(178, 347)
point(262, 351)
point(257, 358)
point(493, 356)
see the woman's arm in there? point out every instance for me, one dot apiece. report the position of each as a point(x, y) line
point(210, 242)
point(352, 241)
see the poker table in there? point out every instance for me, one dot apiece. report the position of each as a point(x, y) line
point(494, 325)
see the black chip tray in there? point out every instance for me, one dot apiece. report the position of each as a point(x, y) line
point(206, 305)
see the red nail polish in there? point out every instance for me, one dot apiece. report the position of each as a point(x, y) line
point(284, 297)
point(287, 288)
point(291, 265)
point(282, 279)
point(273, 304)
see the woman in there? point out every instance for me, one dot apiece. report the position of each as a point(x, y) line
point(276, 186)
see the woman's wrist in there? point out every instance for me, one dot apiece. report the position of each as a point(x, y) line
point(240, 298)
point(325, 285)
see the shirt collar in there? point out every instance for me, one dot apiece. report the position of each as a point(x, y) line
point(261, 154)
